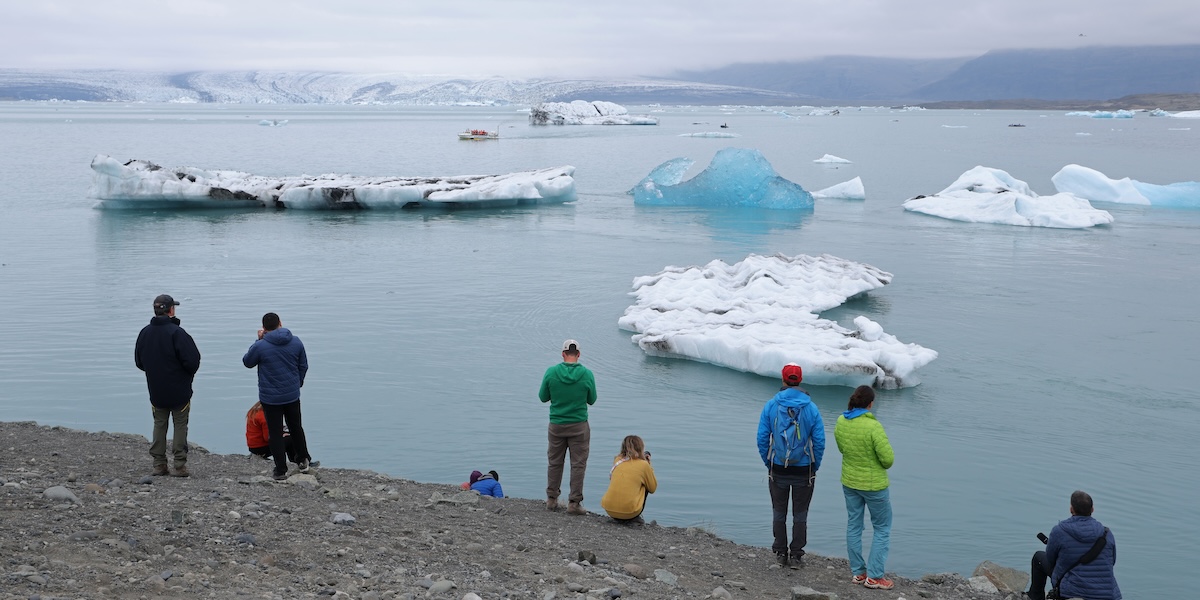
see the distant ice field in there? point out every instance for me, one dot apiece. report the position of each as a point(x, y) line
point(1062, 353)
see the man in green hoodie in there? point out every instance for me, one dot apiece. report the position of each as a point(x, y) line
point(570, 388)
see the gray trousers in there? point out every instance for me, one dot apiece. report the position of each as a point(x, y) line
point(179, 445)
point(576, 437)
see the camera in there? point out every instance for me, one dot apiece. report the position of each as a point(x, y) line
point(1042, 536)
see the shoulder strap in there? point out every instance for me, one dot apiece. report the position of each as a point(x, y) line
point(1089, 556)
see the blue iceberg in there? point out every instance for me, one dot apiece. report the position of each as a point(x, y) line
point(1096, 186)
point(735, 177)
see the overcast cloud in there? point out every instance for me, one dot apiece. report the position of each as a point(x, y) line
point(532, 38)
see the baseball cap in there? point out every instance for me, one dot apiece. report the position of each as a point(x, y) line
point(164, 301)
point(792, 374)
point(570, 345)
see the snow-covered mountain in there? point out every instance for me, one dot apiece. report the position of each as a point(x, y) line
point(267, 87)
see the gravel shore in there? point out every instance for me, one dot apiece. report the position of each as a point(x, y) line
point(81, 517)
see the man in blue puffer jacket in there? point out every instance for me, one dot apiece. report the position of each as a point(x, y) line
point(791, 442)
point(1069, 540)
point(282, 365)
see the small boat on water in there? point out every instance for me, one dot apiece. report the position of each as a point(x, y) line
point(479, 134)
point(1015, 125)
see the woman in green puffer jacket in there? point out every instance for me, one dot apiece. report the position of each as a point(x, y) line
point(866, 457)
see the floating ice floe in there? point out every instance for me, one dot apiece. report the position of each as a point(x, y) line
point(1102, 114)
point(1095, 186)
point(273, 122)
point(832, 160)
point(761, 313)
point(1187, 114)
point(141, 184)
point(710, 134)
point(580, 112)
point(735, 177)
point(985, 195)
point(847, 190)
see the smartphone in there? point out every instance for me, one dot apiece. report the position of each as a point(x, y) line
point(1042, 536)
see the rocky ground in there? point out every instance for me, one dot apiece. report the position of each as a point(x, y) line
point(80, 517)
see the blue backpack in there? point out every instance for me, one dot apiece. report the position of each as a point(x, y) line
point(789, 437)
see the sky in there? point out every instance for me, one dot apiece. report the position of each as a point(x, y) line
point(554, 38)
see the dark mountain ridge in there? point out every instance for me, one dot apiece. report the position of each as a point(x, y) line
point(1078, 75)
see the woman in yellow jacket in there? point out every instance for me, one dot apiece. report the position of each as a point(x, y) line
point(630, 481)
point(866, 456)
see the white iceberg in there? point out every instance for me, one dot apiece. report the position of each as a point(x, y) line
point(580, 112)
point(1187, 114)
point(142, 184)
point(761, 313)
point(1102, 114)
point(831, 159)
point(273, 122)
point(735, 177)
point(847, 190)
point(1095, 186)
point(710, 134)
point(985, 195)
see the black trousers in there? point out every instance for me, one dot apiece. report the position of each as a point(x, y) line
point(1039, 572)
point(800, 491)
point(276, 414)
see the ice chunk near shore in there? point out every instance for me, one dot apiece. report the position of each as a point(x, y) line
point(830, 159)
point(580, 112)
point(735, 177)
point(142, 184)
point(761, 313)
point(847, 190)
point(985, 195)
point(1095, 186)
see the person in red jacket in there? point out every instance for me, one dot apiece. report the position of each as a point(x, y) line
point(258, 438)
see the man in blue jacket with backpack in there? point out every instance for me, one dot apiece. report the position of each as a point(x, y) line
point(282, 365)
point(791, 442)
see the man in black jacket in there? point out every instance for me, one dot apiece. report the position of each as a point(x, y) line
point(170, 360)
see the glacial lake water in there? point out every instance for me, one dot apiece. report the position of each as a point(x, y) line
point(1067, 357)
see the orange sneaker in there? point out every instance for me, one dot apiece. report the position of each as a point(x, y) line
point(859, 579)
point(879, 584)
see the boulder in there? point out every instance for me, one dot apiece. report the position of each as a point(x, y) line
point(1007, 580)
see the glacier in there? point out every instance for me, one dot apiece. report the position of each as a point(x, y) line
point(313, 87)
point(580, 112)
point(1095, 186)
point(735, 177)
point(142, 184)
point(986, 195)
point(761, 313)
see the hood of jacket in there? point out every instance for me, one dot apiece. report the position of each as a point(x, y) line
point(1085, 530)
point(568, 373)
point(854, 413)
point(792, 397)
point(280, 337)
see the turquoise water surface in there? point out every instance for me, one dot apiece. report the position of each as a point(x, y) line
point(1065, 355)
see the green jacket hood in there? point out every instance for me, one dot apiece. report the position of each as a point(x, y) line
point(568, 373)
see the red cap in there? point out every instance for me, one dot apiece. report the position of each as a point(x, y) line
point(792, 373)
